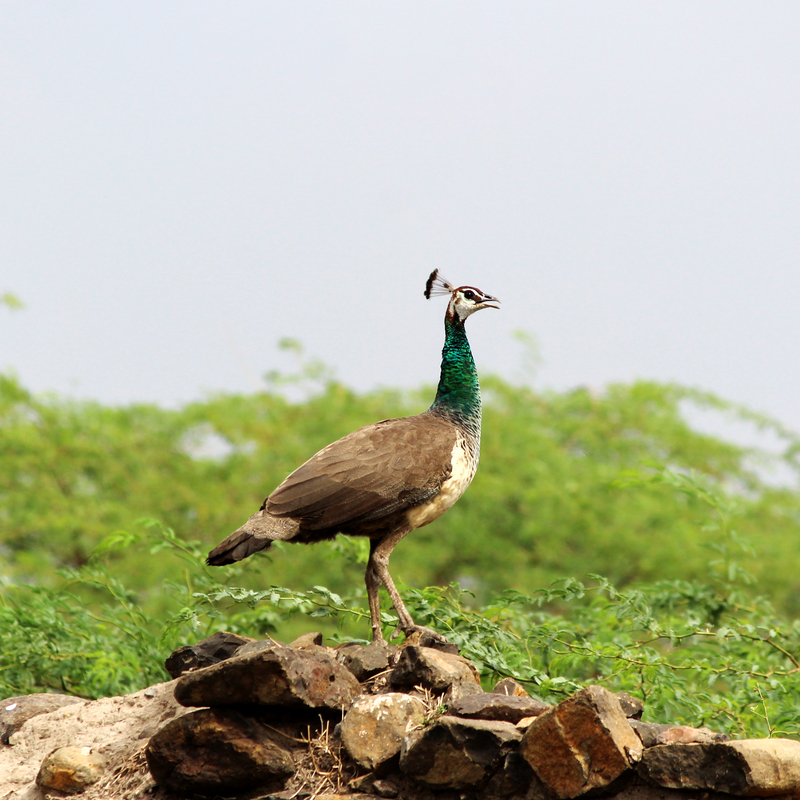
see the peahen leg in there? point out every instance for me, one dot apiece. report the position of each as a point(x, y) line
point(377, 573)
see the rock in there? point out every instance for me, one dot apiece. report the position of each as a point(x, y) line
point(375, 726)
point(426, 637)
point(15, 711)
point(275, 676)
point(648, 732)
point(459, 690)
point(338, 796)
point(217, 750)
point(117, 727)
point(213, 649)
point(750, 767)
point(511, 687)
point(653, 733)
point(365, 660)
point(306, 640)
point(683, 734)
point(385, 788)
point(632, 707)
point(259, 646)
point(431, 669)
point(71, 769)
point(508, 708)
point(371, 786)
point(583, 743)
point(515, 780)
point(457, 753)
point(635, 788)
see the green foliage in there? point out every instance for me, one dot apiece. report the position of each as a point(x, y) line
point(564, 486)
point(697, 653)
point(616, 484)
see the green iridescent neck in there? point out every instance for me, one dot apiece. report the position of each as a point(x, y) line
point(458, 395)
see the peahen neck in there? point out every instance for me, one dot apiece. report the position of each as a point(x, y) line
point(458, 395)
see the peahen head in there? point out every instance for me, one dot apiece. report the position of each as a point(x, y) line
point(464, 300)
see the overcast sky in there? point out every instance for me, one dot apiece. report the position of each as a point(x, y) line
point(184, 183)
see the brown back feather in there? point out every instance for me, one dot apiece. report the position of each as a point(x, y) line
point(370, 473)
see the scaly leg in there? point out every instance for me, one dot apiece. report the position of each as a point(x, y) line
point(373, 582)
point(377, 573)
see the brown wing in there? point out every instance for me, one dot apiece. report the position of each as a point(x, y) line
point(372, 472)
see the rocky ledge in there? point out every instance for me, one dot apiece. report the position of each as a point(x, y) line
point(261, 719)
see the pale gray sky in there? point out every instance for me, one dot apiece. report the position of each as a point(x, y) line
point(184, 183)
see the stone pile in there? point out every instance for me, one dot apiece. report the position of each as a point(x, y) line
point(415, 722)
point(264, 719)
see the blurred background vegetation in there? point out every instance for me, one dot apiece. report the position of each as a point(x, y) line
point(563, 486)
point(614, 484)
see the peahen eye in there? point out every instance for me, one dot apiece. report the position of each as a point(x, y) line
point(469, 294)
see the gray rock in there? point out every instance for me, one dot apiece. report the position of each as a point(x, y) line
point(459, 690)
point(365, 660)
point(648, 732)
point(375, 726)
point(457, 753)
point(749, 767)
point(217, 751)
point(276, 676)
point(508, 708)
point(71, 769)
point(259, 646)
point(211, 650)
point(632, 707)
point(583, 743)
point(16, 711)
point(431, 669)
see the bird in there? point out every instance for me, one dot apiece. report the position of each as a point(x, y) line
point(386, 479)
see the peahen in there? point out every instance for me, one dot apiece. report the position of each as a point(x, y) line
point(387, 479)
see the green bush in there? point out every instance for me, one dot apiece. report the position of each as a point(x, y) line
point(614, 484)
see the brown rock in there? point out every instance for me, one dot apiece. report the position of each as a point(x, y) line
point(71, 769)
point(426, 637)
point(457, 753)
point(305, 640)
point(583, 743)
point(515, 780)
point(365, 660)
point(508, 708)
point(431, 669)
point(636, 788)
point(653, 733)
point(385, 788)
point(749, 767)
point(16, 711)
point(216, 750)
point(340, 796)
point(211, 650)
point(277, 676)
point(375, 726)
point(683, 734)
point(648, 732)
point(510, 687)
